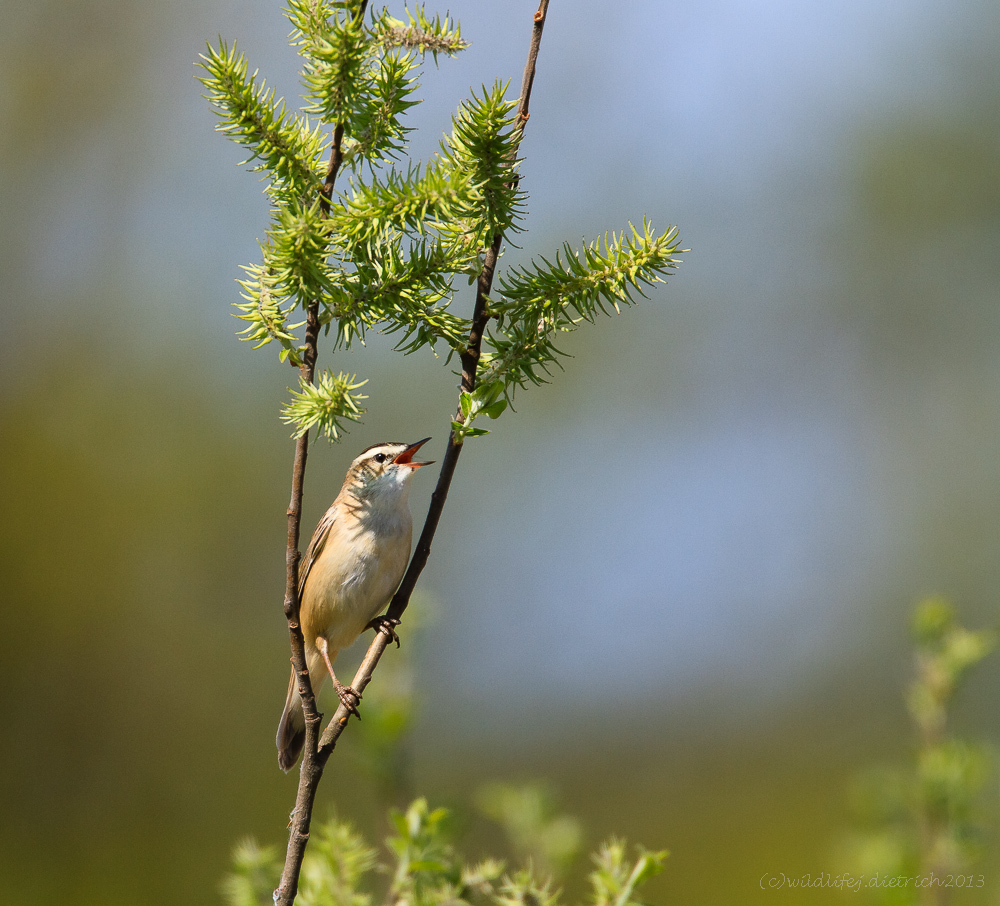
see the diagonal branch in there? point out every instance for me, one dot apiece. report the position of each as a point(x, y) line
point(470, 369)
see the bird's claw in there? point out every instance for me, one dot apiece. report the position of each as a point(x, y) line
point(349, 699)
point(387, 625)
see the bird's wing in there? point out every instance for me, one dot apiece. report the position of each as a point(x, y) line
point(316, 546)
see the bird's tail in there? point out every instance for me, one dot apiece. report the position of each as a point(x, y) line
point(291, 729)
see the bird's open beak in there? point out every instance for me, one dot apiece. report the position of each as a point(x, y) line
point(406, 457)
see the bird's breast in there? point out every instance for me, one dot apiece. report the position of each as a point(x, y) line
point(353, 579)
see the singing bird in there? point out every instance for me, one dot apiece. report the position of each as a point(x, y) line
point(352, 567)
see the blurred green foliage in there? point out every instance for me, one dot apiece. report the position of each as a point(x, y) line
point(527, 814)
point(427, 871)
point(928, 821)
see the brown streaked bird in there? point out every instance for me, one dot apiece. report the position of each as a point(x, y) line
point(351, 569)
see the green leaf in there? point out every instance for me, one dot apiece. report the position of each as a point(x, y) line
point(485, 394)
point(496, 409)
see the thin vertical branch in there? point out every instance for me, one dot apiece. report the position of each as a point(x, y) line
point(307, 370)
point(311, 770)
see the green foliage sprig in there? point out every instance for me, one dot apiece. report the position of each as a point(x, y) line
point(422, 33)
point(387, 252)
point(325, 404)
point(287, 149)
point(536, 304)
point(616, 879)
point(484, 400)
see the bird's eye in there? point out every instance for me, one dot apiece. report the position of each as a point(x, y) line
point(379, 457)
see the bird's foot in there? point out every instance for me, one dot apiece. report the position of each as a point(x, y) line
point(387, 625)
point(348, 698)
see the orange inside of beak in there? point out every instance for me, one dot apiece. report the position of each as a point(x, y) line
point(406, 457)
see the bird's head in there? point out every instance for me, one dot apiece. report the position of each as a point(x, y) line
point(383, 469)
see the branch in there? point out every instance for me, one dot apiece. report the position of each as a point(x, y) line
point(312, 770)
point(299, 835)
point(315, 754)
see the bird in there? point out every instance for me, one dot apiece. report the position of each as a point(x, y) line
point(352, 567)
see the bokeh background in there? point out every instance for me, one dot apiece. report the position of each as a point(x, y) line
point(674, 585)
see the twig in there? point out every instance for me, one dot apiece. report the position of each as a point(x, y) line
point(315, 755)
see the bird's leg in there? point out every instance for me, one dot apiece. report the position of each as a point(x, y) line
point(385, 624)
point(348, 697)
